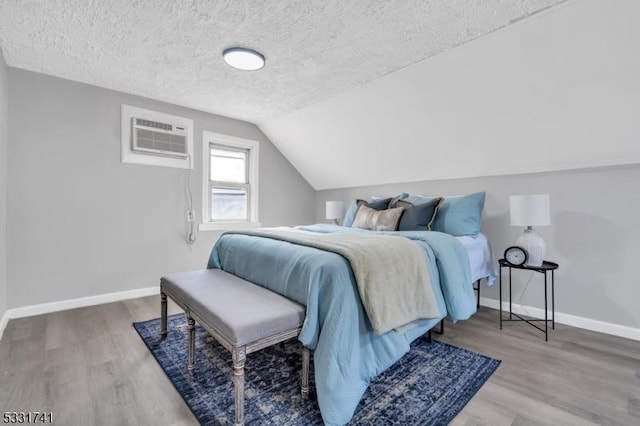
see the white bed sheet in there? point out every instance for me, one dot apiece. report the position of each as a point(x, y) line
point(483, 263)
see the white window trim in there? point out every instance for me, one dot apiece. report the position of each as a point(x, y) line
point(254, 156)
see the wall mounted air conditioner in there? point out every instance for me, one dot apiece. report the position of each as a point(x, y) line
point(158, 138)
point(154, 138)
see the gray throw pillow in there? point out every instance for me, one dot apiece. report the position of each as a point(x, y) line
point(377, 204)
point(350, 215)
point(377, 220)
point(418, 217)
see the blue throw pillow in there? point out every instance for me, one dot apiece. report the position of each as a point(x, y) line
point(352, 210)
point(350, 215)
point(460, 216)
point(418, 217)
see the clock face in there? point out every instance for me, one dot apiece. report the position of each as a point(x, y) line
point(515, 255)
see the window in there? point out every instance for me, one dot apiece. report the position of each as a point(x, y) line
point(230, 184)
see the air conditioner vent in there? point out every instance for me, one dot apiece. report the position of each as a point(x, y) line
point(156, 138)
point(153, 124)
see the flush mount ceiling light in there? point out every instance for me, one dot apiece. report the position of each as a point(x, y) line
point(243, 59)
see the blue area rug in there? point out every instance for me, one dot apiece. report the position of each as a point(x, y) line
point(428, 386)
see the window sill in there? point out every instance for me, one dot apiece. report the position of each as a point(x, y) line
point(225, 226)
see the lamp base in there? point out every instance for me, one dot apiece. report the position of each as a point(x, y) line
point(534, 245)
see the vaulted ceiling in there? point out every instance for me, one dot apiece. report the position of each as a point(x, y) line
point(326, 60)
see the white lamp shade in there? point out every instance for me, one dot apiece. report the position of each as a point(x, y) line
point(529, 210)
point(335, 210)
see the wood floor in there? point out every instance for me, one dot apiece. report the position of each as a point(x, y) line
point(89, 367)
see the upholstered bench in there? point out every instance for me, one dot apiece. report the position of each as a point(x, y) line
point(242, 316)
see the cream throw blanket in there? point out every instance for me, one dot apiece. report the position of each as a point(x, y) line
point(391, 273)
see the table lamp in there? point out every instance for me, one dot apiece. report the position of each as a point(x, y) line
point(335, 211)
point(530, 211)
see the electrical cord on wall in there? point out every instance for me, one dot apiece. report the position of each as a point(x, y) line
point(191, 219)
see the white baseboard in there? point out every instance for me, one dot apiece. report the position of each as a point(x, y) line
point(568, 319)
point(3, 323)
point(62, 305)
point(561, 318)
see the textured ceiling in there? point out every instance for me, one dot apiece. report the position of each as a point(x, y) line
point(170, 50)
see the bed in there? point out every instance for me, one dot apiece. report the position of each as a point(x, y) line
point(347, 351)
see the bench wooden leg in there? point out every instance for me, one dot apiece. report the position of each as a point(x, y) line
point(163, 314)
point(192, 343)
point(305, 371)
point(239, 356)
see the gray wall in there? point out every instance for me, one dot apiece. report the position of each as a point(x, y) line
point(3, 183)
point(81, 223)
point(594, 234)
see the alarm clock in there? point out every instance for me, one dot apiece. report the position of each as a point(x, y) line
point(516, 256)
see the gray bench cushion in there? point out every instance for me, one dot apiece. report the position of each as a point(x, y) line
point(241, 311)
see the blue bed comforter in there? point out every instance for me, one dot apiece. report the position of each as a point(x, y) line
point(347, 353)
